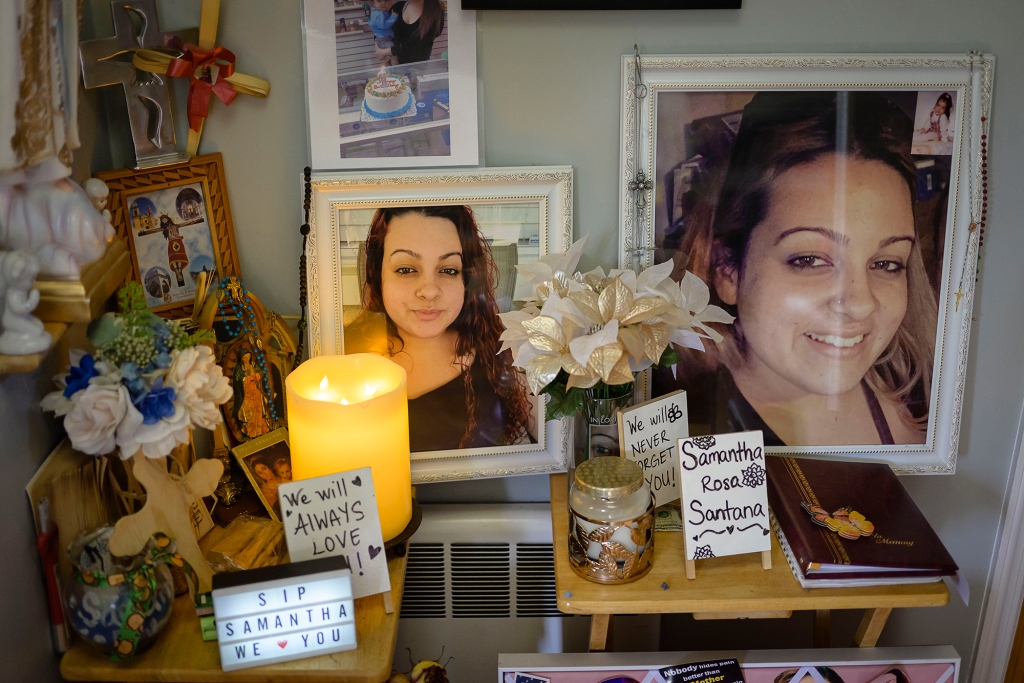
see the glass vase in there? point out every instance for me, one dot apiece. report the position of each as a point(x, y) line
point(97, 596)
point(595, 428)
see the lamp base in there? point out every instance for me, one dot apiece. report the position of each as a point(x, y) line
point(409, 530)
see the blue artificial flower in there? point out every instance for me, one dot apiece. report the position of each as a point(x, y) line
point(157, 404)
point(132, 381)
point(78, 378)
point(163, 360)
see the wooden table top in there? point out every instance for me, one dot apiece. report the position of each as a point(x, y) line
point(723, 585)
point(180, 653)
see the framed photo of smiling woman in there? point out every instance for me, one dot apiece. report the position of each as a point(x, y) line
point(417, 267)
point(833, 205)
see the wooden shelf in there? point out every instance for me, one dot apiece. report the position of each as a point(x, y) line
point(725, 588)
point(180, 654)
point(28, 363)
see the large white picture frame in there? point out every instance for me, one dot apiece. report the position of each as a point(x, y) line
point(682, 134)
point(526, 211)
point(440, 126)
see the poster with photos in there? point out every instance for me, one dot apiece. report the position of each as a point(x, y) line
point(170, 234)
point(833, 211)
point(390, 83)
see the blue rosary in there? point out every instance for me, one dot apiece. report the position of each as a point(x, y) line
point(236, 302)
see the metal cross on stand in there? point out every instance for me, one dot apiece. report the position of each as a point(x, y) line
point(108, 61)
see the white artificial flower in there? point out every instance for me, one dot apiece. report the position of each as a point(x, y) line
point(93, 421)
point(199, 384)
point(155, 440)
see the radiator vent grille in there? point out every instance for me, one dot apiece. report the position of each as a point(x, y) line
point(535, 580)
point(424, 582)
point(481, 580)
point(467, 580)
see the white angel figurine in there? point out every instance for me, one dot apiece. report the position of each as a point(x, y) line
point(22, 333)
point(99, 195)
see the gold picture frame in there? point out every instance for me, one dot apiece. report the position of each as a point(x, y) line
point(267, 451)
point(200, 204)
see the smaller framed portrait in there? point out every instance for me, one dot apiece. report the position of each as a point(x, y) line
point(177, 224)
point(267, 462)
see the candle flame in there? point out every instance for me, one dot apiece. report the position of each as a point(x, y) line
point(344, 402)
point(369, 390)
point(323, 384)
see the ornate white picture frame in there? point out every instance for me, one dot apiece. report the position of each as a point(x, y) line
point(526, 212)
point(682, 121)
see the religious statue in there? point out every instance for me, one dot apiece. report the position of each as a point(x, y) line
point(250, 402)
point(42, 212)
point(22, 333)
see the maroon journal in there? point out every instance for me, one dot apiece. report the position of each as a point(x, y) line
point(901, 542)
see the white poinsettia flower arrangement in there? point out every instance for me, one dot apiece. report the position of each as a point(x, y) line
point(148, 382)
point(593, 330)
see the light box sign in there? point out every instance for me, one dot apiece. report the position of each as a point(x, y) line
point(285, 612)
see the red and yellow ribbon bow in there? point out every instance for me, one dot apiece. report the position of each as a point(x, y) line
point(207, 72)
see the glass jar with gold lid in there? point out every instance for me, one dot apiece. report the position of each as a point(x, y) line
point(611, 521)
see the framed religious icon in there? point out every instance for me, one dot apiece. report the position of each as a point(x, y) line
point(176, 221)
point(834, 205)
point(267, 463)
point(390, 83)
point(417, 267)
point(256, 349)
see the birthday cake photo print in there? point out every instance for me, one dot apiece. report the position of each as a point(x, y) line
point(390, 83)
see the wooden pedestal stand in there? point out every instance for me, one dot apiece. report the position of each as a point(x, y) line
point(166, 510)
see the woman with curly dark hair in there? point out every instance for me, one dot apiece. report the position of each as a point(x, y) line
point(430, 272)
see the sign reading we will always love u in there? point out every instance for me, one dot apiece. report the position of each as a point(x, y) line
point(336, 515)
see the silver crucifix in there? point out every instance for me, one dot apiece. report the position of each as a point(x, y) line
point(108, 61)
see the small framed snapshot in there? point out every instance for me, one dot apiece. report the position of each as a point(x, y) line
point(418, 267)
point(931, 664)
point(267, 462)
point(833, 204)
point(177, 222)
point(390, 83)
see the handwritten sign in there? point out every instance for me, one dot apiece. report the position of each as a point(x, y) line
point(724, 495)
point(336, 515)
point(284, 612)
point(648, 434)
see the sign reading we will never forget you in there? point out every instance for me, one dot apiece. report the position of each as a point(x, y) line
point(648, 435)
point(337, 515)
point(724, 495)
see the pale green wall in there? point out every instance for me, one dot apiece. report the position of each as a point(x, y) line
point(549, 95)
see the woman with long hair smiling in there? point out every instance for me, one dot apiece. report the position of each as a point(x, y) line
point(813, 245)
point(430, 272)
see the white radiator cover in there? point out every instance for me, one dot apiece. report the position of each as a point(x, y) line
point(481, 581)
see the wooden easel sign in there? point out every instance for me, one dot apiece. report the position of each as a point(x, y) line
point(649, 434)
point(336, 515)
point(724, 497)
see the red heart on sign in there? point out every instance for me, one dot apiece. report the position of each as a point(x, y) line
point(282, 643)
